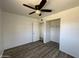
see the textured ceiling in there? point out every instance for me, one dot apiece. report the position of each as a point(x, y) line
point(15, 6)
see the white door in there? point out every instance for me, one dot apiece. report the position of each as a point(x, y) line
point(36, 31)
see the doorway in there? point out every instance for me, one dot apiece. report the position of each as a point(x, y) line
point(53, 30)
point(35, 31)
point(41, 31)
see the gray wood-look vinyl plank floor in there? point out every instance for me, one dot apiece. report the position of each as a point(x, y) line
point(36, 50)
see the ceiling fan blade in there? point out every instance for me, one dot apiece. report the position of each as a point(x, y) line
point(31, 12)
point(29, 6)
point(46, 10)
point(43, 2)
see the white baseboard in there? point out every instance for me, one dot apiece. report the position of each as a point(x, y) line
point(68, 53)
point(1, 54)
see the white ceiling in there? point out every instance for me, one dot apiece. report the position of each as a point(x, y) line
point(15, 6)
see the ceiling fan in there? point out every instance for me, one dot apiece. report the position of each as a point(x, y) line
point(38, 8)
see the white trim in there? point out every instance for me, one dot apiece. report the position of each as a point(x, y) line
point(68, 53)
point(1, 54)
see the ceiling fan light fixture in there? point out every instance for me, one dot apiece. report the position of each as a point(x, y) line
point(38, 12)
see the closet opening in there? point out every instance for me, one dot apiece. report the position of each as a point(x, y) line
point(53, 30)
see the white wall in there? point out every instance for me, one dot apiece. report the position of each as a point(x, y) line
point(69, 30)
point(45, 33)
point(17, 29)
point(1, 41)
point(55, 30)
